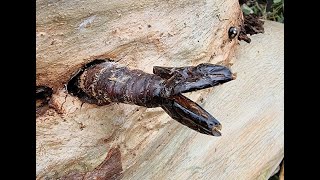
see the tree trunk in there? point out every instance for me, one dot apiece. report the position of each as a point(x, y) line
point(76, 140)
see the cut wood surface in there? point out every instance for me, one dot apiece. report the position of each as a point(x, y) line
point(76, 140)
point(137, 33)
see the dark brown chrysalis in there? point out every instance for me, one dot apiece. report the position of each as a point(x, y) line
point(107, 82)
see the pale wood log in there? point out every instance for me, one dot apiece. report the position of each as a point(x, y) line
point(73, 137)
point(137, 33)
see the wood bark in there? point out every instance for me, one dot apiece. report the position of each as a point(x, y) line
point(76, 140)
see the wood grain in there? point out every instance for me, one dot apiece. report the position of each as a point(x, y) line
point(74, 138)
point(137, 33)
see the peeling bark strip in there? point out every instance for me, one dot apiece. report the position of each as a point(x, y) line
point(109, 169)
point(252, 25)
point(108, 82)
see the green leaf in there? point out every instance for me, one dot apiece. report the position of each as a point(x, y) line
point(246, 9)
point(280, 18)
point(276, 1)
point(256, 11)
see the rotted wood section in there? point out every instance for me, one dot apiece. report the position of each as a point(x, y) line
point(76, 140)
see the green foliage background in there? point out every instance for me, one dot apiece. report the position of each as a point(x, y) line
point(266, 9)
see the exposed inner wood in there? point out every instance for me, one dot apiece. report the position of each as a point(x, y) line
point(76, 138)
point(137, 33)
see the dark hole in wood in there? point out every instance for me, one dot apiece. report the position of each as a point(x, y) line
point(73, 84)
point(43, 96)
